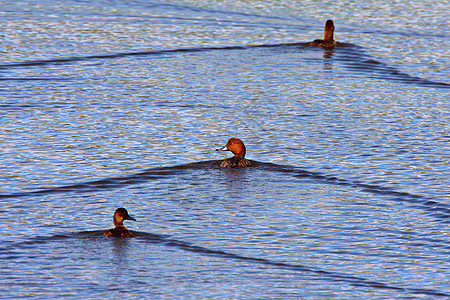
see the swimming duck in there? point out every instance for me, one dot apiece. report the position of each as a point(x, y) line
point(236, 146)
point(328, 42)
point(120, 230)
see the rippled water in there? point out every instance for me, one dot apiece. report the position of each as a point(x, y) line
point(109, 104)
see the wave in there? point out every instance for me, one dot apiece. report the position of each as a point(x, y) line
point(313, 272)
point(355, 58)
point(320, 274)
point(351, 56)
point(440, 211)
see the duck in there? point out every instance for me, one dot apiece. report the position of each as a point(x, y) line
point(328, 42)
point(237, 147)
point(120, 230)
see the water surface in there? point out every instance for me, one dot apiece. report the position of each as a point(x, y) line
point(110, 104)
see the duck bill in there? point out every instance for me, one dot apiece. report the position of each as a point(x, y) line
point(224, 148)
point(131, 218)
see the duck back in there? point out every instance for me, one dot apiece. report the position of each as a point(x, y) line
point(235, 162)
point(118, 232)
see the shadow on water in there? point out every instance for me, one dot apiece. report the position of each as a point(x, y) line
point(350, 55)
point(440, 211)
point(313, 273)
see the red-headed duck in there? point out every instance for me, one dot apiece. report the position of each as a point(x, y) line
point(236, 146)
point(120, 230)
point(328, 42)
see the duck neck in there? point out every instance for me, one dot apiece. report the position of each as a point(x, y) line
point(328, 33)
point(118, 223)
point(240, 154)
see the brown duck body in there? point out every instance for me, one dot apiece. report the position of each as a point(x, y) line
point(323, 44)
point(235, 162)
point(120, 230)
point(237, 147)
point(328, 42)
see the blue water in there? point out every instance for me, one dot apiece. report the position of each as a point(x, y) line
point(108, 104)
